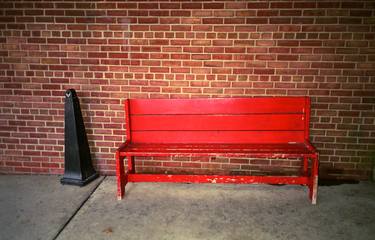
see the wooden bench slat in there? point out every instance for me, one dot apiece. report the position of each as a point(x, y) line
point(218, 105)
point(218, 179)
point(241, 149)
point(218, 122)
point(255, 147)
point(217, 136)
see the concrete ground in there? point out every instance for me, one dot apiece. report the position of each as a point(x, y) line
point(185, 211)
point(37, 207)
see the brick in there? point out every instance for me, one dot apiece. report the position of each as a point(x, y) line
point(151, 49)
point(201, 56)
point(184, 28)
point(281, 5)
point(158, 42)
point(148, 20)
point(257, 20)
point(130, 13)
point(350, 21)
point(290, 13)
point(235, 50)
point(148, 5)
point(328, 4)
point(201, 42)
point(181, 13)
point(352, 5)
point(245, 28)
point(265, 43)
point(264, 71)
point(213, 5)
point(315, 12)
point(257, 5)
point(213, 21)
point(360, 13)
point(234, 21)
point(327, 20)
point(192, 5)
point(224, 28)
point(306, 4)
point(302, 20)
point(267, 13)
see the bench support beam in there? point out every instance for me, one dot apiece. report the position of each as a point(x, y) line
point(130, 176)
point(217, 179)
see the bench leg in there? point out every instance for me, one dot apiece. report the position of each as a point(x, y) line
point(120, 175)
point(313, 183)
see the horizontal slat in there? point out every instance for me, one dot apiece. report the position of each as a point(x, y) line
point(218, 106)
point(276, 147)
point(218, 122)
point(213, 154)
point(217, 179)
point(225, 150)
point(217, 136)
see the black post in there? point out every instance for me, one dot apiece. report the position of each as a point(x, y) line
point(78, 167)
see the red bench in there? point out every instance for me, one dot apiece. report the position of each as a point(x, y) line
point(272, 127)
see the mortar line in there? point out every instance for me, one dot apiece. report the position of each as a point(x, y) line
point(77, 210)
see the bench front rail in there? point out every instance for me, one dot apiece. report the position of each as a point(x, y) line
point(275, 127)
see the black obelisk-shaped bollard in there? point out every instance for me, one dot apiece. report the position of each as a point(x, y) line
point(78, 167)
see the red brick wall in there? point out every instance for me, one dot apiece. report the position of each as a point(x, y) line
point(110, 51)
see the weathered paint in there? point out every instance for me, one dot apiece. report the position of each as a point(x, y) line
point(127, 120)
point(120, 175)
point(313, 182)
point(218, 179)
point(218, 127)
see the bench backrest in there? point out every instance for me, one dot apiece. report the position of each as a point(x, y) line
point(218, 120)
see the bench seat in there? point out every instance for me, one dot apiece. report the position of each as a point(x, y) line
point(275, 150)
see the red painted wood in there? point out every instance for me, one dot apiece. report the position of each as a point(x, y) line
point(218, 105)
point(213, 154)
point(281, 147)
point(127, 120)
point(307, 118)
point(120, 175)
point(253, 127)
point(313, 181)
point(217, 136)
point(219, 122)
point(217, 179)
point(225, 150)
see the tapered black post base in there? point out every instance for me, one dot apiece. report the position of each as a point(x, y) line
point(78, 182)
point(78, 167)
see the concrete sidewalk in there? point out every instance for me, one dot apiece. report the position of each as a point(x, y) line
point(38, 207)
point(197, 211)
